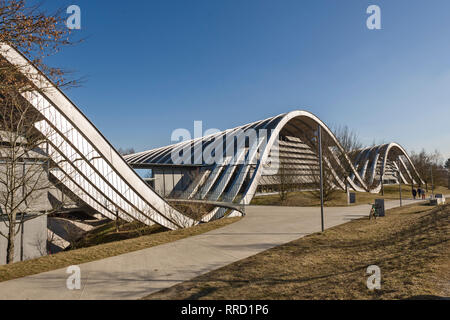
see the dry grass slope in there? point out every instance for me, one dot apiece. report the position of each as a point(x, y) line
point(410, 246)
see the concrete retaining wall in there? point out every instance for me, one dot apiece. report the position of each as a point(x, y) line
point(29, 244)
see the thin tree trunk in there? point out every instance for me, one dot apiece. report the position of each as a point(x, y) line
point(11, 240)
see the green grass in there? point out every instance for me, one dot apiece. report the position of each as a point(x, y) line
point(115, 245)
point(306, 199)
point(410, 245)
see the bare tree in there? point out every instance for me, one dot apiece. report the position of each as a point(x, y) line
point(125, 152)
point(329, 186)
point(284, 179)
point(26, 155)
point(183, 220)
point(447, 167)
point(40, 243)
point(348, 139)
point(351, 144)
point(447, 164)
point(37, 34)
point(118, 214)
point(332, 158)
point(195, 211)
point(27, 170)
point(430, 167)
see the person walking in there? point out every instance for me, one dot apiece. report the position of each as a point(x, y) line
point(419, 192)
point(414, 193)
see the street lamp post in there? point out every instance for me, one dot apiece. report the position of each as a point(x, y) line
point(321, 174)
point(432, 182)
point(347, 191)
point(448, 178)
point(399, 186)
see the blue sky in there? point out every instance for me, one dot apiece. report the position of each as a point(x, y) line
point(155, 66)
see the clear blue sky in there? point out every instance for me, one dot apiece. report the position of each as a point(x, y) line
point(154, 66)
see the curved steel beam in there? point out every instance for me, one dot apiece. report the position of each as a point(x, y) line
point(99, 164)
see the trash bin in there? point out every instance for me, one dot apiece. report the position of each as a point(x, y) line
point(352, 197)
point(440, 198)
point(379, 203)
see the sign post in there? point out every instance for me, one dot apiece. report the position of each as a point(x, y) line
point(321, 175)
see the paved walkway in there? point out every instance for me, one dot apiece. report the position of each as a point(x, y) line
point(137, 274)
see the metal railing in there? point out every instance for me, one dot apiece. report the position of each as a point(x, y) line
point(193, 195)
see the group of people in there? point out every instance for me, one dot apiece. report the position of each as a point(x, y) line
point(419, 193)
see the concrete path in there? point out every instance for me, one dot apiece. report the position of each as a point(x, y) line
point(137, 274)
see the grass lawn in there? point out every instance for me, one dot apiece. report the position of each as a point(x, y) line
point(113, 244)
point(305, 199)
point(410, 245)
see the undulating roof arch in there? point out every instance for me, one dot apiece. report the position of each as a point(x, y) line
point(101, 178)
point(93, 170)
point(225, 180)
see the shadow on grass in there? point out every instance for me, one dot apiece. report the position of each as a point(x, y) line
point(277, 273)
